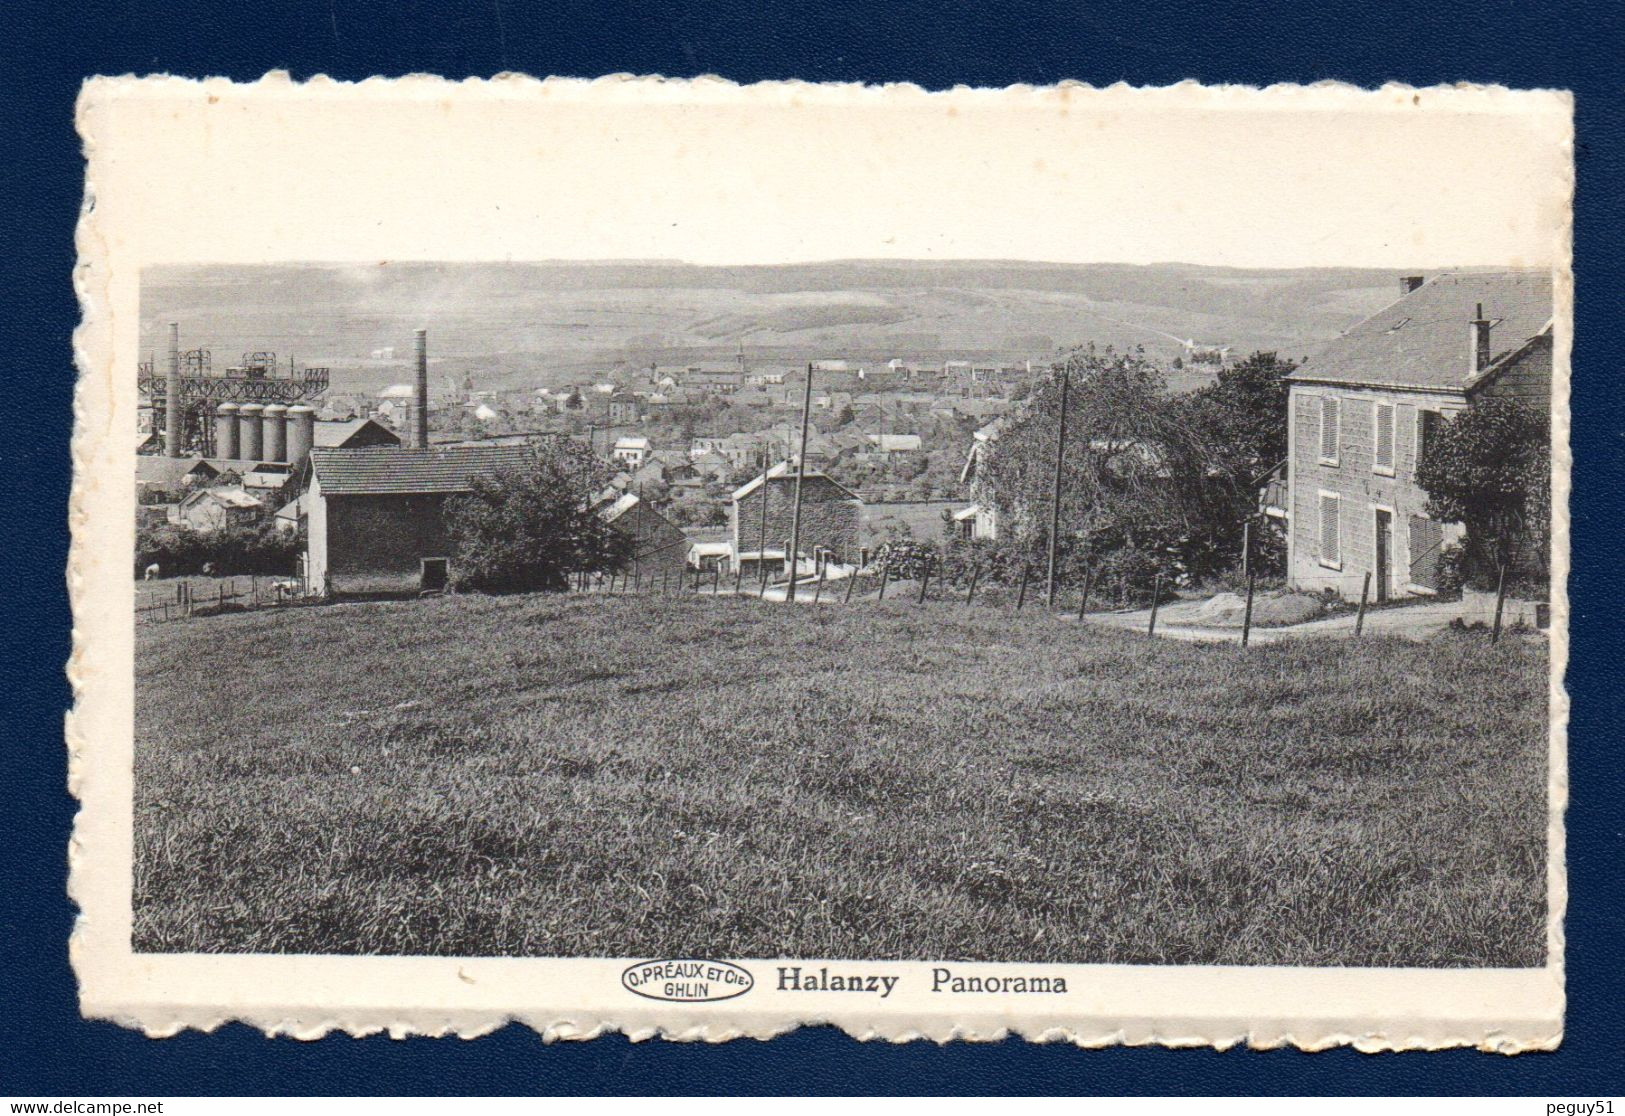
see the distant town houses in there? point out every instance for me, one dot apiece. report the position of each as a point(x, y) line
point(632, 449)
point(1362, 412)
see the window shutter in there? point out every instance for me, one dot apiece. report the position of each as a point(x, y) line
point(1383, 453)
point(1330, 528)
point(1328, 428)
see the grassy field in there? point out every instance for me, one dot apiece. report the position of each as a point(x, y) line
point(726, 778)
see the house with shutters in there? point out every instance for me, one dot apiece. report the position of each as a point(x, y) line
point(1362, 412)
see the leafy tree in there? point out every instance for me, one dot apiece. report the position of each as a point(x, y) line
point(1489, 469)
point(528, 528)
point(573, 401)
point(1244, 413)
point(1241, 422)
point(1136, 470)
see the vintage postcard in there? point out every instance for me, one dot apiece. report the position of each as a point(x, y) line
point(697, 560)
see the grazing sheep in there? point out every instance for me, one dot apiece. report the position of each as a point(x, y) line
point(151, 572)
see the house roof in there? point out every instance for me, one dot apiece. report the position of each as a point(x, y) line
point(1422, 340)
point(335, 432)
point(895, 443)
point(231, 496)
point(625, 503)
point(386, 470)
point(167, 472)
point(632, 441)
point(783, 471)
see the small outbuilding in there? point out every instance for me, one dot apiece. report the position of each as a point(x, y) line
point(375, 519)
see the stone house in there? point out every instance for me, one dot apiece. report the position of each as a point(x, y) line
point(831, 518)
point(1361, 413)
point(659, 546)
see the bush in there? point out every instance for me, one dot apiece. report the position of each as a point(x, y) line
point(1129, 576)
point(530, 527)
point(257, 548)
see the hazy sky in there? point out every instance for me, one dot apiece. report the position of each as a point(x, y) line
point(716, 174)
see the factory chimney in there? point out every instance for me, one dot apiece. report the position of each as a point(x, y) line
point(172, 394)
point(420, 396)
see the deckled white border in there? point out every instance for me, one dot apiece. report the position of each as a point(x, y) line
point(1496, 1010)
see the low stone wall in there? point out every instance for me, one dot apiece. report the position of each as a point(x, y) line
point(1478, 607)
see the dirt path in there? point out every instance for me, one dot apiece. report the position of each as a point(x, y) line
point(1418, 622)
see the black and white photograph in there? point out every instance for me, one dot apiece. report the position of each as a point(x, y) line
point(927, 551)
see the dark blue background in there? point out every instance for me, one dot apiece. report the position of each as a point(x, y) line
point(45, 1049)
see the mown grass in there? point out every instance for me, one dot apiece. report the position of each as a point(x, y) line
point(728, 778)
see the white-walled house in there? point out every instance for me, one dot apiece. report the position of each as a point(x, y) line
point(1361, 412)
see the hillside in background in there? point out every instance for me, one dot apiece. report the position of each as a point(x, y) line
point(513, 325)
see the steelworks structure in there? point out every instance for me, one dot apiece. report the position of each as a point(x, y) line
point(190, 377)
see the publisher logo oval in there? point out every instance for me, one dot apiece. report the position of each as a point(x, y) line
point(687, 980)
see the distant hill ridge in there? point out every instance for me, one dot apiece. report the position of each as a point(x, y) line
point(514, 323)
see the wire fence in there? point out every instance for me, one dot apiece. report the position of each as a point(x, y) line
point(158, 602)
point(831, 583)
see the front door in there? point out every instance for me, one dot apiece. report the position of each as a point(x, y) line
point(435, 575)
point(1385, 543)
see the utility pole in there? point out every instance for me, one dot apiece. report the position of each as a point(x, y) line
point(1055, 495)
point(761, 543)
point(801, 473)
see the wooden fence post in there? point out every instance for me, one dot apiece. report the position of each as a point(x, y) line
point(1247, 617)
point(975, 574)
point(1156, 602)
point(819, 592)
point(1021, 597)
point(925, 580)
point(851, 580)
point(885, 575)
point(1500, 601)
point(716, 580)
point(1365, 592)
point(1088, 583)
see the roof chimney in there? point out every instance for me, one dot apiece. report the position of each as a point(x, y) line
point(1408, 283)
point(420, 394)
point(1478, 358)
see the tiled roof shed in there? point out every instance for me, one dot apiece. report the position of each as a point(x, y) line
point(1422, 340)
point(387, 470)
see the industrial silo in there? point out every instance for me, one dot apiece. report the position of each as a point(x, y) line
point(225, 431)
point(251, 438)
point(301, 432)
point(274, 421)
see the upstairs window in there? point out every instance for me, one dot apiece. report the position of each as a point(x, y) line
point(1382, 439)
point(1330, 429)
point(1427, 428)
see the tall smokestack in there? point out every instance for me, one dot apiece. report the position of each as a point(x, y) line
point(172, 394)
point(420, 396)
